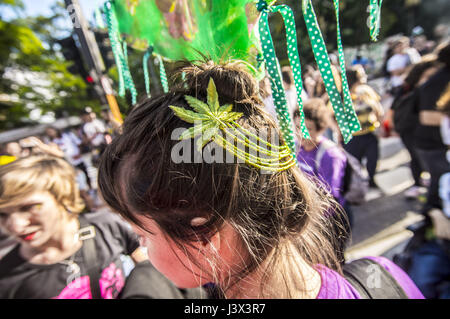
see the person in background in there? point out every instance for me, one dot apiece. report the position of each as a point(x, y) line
point(331, 168)
point(441, 33)
point(9, 152)
point(324, 161)
point(360, 60)
point(266, 94)
point(289, 88)
point(403, 56)
point(65, 145)
point(389, 52)
point(33, 145)
point(405, 116)
point(308, 80)
point(112, 126)
point(320, 90)
point(369, 110)
point(40, 207)
point(430, 266)
point(93, 131)
point(420, 42)
point(428, 139)
point(443, 105)
point(69, 144)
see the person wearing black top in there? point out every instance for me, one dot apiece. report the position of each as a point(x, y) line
point(406, 116)
point(427, 135)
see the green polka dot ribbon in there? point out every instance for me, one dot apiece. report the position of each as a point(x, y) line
point(346, 118)
point(294, 59)
point(350, 114)
point(120, 53)
point(125, 50)
point(115, 44)
point(273, 67)
point(145, 59)
point(162, 74)
point(374, 21)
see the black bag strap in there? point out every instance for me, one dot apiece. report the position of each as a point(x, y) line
point(356, 272)
point(87, 235)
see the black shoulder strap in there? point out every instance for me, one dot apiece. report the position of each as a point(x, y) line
point(381, 286)
point(10, 261)
point(87, 235)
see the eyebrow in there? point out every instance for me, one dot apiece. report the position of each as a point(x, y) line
point(32, 203)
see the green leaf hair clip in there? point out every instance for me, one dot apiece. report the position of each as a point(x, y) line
point(216, 123)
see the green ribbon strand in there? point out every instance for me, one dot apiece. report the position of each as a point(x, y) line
point(115, 45)
point(374, 21)
point(120, 54)
point(294, 59)
point(125, 50)
point(273, 68)
point(145, 67)
point(347, 121)
point(162, 74)
point(349, 110)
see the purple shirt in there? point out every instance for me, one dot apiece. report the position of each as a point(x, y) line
point(335, 286)
point(331, 168)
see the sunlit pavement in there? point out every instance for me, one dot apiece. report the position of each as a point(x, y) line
point(380, 224)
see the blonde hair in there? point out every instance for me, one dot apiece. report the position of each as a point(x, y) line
point(366, 95)
point(32, 174)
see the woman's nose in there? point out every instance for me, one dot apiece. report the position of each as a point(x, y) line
point(17, 223)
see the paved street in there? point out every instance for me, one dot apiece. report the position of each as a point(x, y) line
point(380, 224)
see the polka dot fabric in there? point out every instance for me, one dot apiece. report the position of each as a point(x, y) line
point(274, 70)
point(344, 113)
point(294, 60)
point(342, 104)
point(374, 22)
point(350, 114)
point(120, 53)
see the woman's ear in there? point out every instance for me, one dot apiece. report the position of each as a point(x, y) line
point(198, 221)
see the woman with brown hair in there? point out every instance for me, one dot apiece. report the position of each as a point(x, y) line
point(252, 226)
point(405, 114)
point(430, 262)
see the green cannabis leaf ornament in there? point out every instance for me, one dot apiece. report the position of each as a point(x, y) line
point(213, 121)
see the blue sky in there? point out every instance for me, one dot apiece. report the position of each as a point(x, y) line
point(42, 7)
point(34, 7)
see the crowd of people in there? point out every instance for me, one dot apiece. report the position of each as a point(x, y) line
point(225, 227)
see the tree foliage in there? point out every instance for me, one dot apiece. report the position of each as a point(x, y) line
point(33, 73)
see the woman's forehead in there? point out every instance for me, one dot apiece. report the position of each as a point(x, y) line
point(38, 197)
